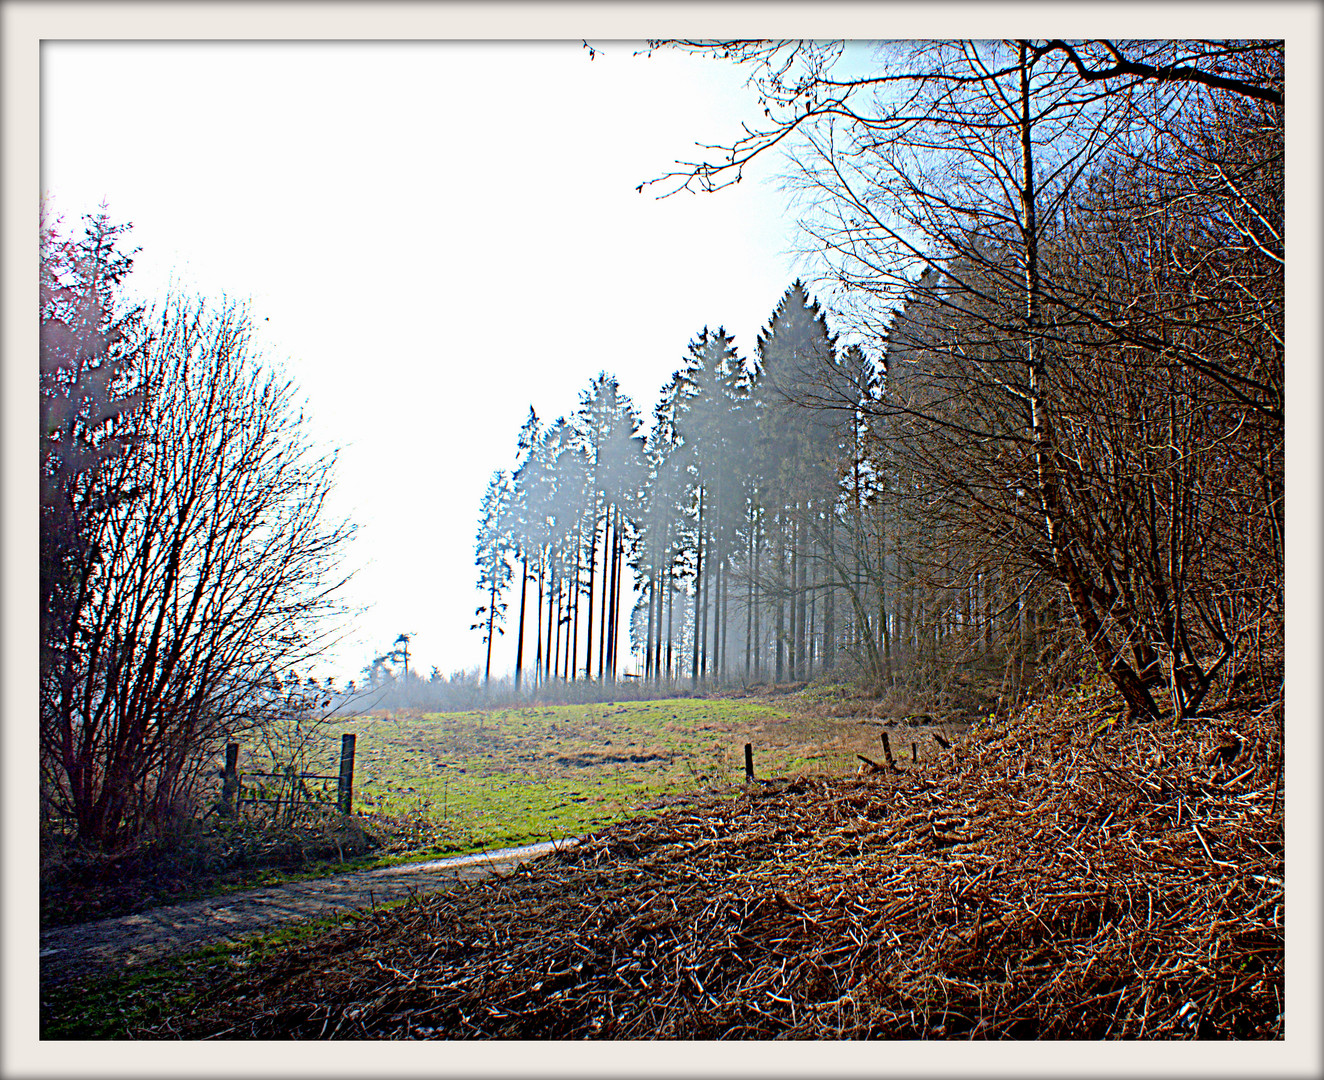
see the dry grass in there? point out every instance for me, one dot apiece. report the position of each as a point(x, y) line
point(1033, 881)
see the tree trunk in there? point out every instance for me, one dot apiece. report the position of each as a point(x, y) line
point(698, 591)
point(829, 608)
point(592, 569)
point(537, 659)
point(648, 638)
point(555, 656)
point(613, 620)
point(550, 652)
point(519, 641)
point(801, 598)
point(604, 618)
point(1124, 678)
point(491, 621)
point(781, 596)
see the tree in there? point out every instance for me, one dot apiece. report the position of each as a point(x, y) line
point(709, 417)
point(210, 565)
point(89, 349)
point(400, 651)
point(798, 453)
point(606, 426)
point(962, 180)
point(492, 545)
point(529, 521)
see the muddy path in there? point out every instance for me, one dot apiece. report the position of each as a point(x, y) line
point(109, 945)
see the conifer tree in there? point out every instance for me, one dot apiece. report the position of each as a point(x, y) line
point(492, 547)
point(796, 357)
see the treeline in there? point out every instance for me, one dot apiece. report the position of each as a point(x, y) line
point(737, 516)
point(1067, 260)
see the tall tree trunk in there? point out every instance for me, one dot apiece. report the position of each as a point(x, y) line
point(519, 641)
point(576, 586)
point(537, 660)
point(801, 594)
point(749, 597)
point(829, 608)
point(604, 618)
point(592, 561)
point(670, 598)
point(781, 596)
point(556, 654)
point(724, 596)
point(1123, 676)
point(660, 576)
point(648, 648)
point(491, 621)
point(705, 660)
point(810, 617)
point(551, 591)
point(793, 609)
point(758, 604)
point(613, 619)
point(698, 590)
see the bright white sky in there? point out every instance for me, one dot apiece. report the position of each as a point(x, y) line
point(433, 237)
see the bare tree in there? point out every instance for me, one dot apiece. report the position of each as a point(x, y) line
point(1036, 376)
point(213, 565)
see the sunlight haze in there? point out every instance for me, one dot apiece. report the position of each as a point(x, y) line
point(432, 237)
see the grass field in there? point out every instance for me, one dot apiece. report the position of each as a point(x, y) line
point(437, 784)
point(497, 778)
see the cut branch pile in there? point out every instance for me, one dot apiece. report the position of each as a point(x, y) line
point(1032, 883)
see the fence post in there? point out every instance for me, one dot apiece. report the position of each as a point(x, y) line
point(345, 787)
point(749, 763)
point(887, 752)
point(230, 778)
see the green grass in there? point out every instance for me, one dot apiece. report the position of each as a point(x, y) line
point(498, 778)
point(482, 780)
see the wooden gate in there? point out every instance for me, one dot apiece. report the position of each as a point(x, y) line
point(291, 787)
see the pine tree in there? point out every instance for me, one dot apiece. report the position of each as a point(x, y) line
point(796, 358)
point(528, 492)
point(492, 547)
point(607, 427)
point(89, 343)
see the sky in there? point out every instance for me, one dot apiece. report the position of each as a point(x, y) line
point(432, 237)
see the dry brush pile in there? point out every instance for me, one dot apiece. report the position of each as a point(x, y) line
point(1034, 882)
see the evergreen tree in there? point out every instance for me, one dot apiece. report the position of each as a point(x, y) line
point(492, 547)
point(89, 344)
point(798, 449)
point(709, 421)
point(607, 427)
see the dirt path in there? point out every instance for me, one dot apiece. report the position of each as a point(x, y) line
point(75, 951)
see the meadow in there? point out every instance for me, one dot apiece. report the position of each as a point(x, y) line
point(496, 778)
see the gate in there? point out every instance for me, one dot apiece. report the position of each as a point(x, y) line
point(292, 787)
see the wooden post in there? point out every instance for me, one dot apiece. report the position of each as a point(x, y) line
point(345, 787)
point(914, 752)
point(230, 778)
point(749, 763)
point(887, 752)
